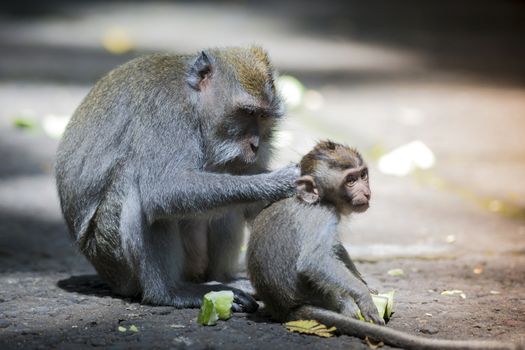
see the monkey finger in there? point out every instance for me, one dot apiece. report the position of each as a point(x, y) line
point(287, 177)
point(350, 309)
point(378, 320)
point(243, 302)
point(370, 313)
point(373, 291)
point(375, 318)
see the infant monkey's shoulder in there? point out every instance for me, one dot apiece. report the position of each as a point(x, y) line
point(293, 211)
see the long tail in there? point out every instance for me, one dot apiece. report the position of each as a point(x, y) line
point(353, 327)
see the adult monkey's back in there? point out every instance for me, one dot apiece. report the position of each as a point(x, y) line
point(157, 164)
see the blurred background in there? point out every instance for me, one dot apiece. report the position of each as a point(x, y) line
point(432, 94)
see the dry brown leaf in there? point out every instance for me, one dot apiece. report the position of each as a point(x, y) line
point(310, 327)
point(373, 344)
point(478, 270)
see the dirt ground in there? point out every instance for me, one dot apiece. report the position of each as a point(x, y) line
point(378, 77)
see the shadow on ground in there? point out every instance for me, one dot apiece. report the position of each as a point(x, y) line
point(29, 243)
point(86, 285)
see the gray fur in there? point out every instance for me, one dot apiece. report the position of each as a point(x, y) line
point(293, 261)
point(151, 158)
point(301, 271)
point(395, 338)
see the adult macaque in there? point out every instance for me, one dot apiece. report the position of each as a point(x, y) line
point(157, 164)
point(300, 269)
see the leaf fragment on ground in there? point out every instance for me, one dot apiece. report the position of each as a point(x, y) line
point(22, 122)
point(310, 327)
point(207, 314)
point(215, 305)
point(373, 344)
point(223, 303)
point(454, 292)
point(389, 309)
point(133, 328)
point(177, 326)
point(450, 239)
point(122, 329)
point(118, 40)
point(396, 272)
point(384, 303)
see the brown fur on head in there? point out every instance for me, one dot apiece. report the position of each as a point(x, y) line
point(333, 154)
point(251, 67)
point(336, 174)
point(234, 92)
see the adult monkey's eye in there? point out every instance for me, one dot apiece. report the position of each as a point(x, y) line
point(364, 175)
point(250, 112)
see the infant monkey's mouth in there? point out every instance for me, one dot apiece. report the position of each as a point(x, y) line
point(360, 207)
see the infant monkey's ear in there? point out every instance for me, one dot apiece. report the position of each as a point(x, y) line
point(307, 190)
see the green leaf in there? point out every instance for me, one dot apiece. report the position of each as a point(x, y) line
point(24, 123)
point(390, 305)
point(380, 303)
point(215, 305)
point(396, 272)
point(384, 303)
point(223, 303)
point(207, 314)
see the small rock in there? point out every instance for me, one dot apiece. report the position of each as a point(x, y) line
point(429, 330)
point(40, 310)
point(177, 326)
point(184, 341)
point(4, 323)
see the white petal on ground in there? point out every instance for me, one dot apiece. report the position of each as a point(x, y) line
point(405, 159)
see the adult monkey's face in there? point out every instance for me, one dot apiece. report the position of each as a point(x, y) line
point(238, 99)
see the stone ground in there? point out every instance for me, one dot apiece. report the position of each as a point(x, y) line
point(449, 74)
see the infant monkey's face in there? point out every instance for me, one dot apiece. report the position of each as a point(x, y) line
point(356, 188)
point(337, 175)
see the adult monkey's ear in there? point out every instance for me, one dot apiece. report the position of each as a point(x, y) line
point(200, 71)
point(307, 190)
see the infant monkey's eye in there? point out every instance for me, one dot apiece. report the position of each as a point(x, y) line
point(364, 175)
point(350, 180)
